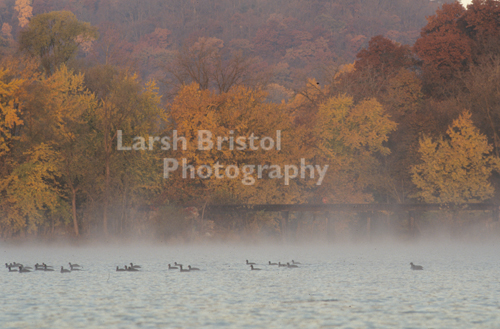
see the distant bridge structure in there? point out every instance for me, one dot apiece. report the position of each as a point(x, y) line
point(368, 209)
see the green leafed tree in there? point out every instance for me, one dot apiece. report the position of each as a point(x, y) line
point(54, 38)
point(455, 169)
point(125, 104)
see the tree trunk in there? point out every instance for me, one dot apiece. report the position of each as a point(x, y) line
point(106, 198)
point(73, 203)
point(107, 152)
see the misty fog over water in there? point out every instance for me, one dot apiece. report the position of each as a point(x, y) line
point(337, 285)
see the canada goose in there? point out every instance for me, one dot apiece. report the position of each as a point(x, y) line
point(23, 270)
point(294, 262)
point(39, 267)
point(72, 266)
point(172, 267)
point(248, 263)
point(416, 267)
point(272, 263)
point(254, 268)
point(120, 269)
point(63, 270)
point(281, 265)
point(182, 270)
point(176, 264)
point(291, 266)
point(48, 269)
point(193, 268)
point(135, 266)
point(11, 270)
point(131, 269)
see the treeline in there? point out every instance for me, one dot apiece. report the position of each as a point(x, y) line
point(399, 124)
point(290, 39)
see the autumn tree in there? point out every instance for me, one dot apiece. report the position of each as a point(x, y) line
point(350, 136)
point(481, 96)
point(241, 112)
point(123, 105)
point(455, 169)
point(375, 66)
point(212, 66)
point(480, 23)
point(384, 57)
point(10, 116)
point(54, 38)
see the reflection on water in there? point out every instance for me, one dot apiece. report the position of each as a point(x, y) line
point(358, 287)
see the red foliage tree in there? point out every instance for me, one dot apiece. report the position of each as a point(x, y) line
point(443, 47)
point(383, 56)
point(481, 22)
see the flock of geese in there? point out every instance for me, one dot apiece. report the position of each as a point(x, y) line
point(288, 265)
point(17, 267)
point(136, 268)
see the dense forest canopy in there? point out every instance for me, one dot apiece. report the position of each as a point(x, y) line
point(369, 101)
point(289, 38)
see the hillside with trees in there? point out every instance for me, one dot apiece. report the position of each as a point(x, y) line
point(393, 106)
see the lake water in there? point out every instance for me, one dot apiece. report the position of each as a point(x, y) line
point(368, 286)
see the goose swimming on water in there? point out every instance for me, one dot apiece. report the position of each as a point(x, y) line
point(182, 270)
point(291, 266)
point(23, 270)
point(193, 268)
point(254, 268)
point(72, 266)
point(416, 267)
point(172, 267)
point(120, 269)
point(272, 263)
point(63, 270)
point(294, 262)
point(135, 266)
point(131, 269)
point(11, 270)
point(248, 263)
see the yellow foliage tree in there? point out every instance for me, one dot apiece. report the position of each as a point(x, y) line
point(9, 113)
point(24, 12)
point(240, 112)
point(54, 113)
point(31, 190)
point(456, 169)
point(350, 136)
